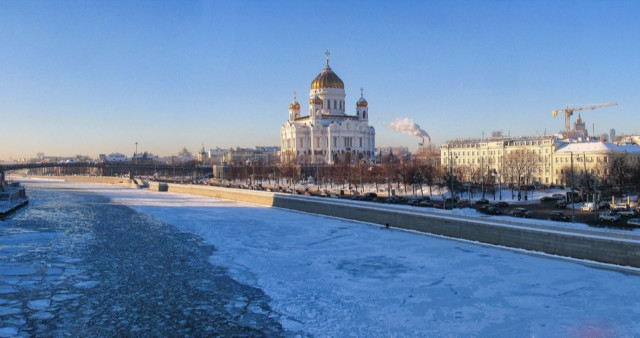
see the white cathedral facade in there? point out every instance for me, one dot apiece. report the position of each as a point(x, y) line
point(327, 134)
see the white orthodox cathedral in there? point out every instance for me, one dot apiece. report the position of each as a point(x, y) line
point(327, 134)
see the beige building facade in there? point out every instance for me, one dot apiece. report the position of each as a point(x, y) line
point(542, 159)
point(594, 158)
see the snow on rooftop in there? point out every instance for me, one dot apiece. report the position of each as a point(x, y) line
point(598, 147)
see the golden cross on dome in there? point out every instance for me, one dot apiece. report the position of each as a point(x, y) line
point(361, 92)
point(294, 95)
point(327, 54)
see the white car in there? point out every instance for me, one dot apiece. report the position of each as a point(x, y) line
point(587, 207)
point(634, 222)
point(607, 216)
point(627, 213)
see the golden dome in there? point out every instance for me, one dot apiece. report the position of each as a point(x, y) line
point(327, 79)
point(315, 100)
point(362, 102)
point(294, 104)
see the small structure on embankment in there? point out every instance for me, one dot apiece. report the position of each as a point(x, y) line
point(12, 197)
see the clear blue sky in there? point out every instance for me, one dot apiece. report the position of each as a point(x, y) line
point(91, 77)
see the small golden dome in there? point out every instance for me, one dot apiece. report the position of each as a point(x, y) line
point(315, 100)
point(362, 102)
point(294, 104)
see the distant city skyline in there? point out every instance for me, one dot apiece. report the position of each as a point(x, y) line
point(97, 77)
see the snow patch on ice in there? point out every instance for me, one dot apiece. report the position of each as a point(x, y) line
point(8, 331)
point(65, 296)
point(39, 304)
point(87, 284)
point(5, 310)
point(4, 289)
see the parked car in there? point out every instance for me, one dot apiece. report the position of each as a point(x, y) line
point(502, 204)
point(482, 202)
point(548, 198)
point(604, 206)
point(370, 196)
point(634, 222)
point(448, 205)
point(587, 207)
point(607, 216)
point(489, 210)
point(627, 213)
point(559, 216)
point(397, 200)
point(521, 212)
point(462, 204)
point(426, 203)
point(561, 205)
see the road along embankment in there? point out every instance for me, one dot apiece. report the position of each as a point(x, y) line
point(584, 243)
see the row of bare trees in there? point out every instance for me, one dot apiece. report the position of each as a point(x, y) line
point(620, 174)
point(415, 174)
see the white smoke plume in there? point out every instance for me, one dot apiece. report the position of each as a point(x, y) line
point(407, 126)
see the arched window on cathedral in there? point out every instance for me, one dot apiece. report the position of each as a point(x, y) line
point(364, 115)
point(335, 104)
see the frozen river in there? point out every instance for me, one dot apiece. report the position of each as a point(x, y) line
point(98, 260)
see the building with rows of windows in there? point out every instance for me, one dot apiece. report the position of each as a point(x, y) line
point(543, 159)
point(327, 134)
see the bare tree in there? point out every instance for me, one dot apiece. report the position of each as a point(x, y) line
point(619, 170)
point(519, 167)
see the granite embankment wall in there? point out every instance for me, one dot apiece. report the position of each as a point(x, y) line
point(590, 244)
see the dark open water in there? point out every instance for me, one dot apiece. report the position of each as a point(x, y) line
point(72, 263)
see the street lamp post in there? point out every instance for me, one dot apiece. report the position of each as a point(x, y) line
point(572, 199)
point(494, 174)
point(389, 176)
point(451, 175)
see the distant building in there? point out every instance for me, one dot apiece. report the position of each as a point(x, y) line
point(553, 157)
point(594, 157)
point(489, 155)
point(249, 156)
point(327, 134)
point(398, 152)
point(215, 155)
point(202, 155)
point(612, 135)
point(579, 130)
point(630, 139)
point(114, 157)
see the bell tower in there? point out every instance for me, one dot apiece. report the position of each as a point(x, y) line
point(362, 107)
point(294, 109)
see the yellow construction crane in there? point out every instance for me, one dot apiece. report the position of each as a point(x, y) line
point(569, 111)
